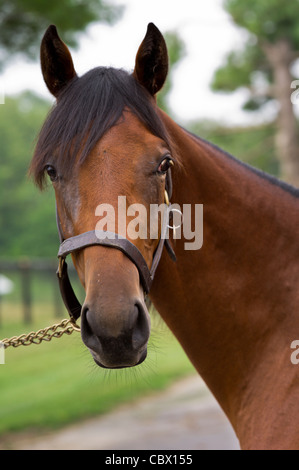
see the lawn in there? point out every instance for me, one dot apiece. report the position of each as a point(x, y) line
point(50, 385)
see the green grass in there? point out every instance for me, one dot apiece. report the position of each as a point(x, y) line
point(50, 385)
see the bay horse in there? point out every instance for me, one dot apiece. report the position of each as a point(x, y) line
point(233, 304)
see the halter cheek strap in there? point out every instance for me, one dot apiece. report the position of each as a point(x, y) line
point(112, 240)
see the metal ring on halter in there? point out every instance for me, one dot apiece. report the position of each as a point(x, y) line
point(174, 227)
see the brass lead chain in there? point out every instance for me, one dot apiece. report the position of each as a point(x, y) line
point(46, 334)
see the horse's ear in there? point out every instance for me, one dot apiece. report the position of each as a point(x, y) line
point(151, 65)
point(56, 61)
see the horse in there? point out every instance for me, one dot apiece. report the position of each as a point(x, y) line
point(233, 303)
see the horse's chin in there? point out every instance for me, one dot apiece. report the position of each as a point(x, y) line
point(118, 365)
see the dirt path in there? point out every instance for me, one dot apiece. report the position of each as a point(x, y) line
point(185, 416)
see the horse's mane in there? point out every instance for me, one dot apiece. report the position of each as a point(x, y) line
point(87, 108)
point(270, 178)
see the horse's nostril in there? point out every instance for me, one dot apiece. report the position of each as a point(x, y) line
point(89, 331)
point(141, 328)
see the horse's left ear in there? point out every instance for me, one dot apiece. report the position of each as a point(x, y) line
point(56, 62)
point(151, 65)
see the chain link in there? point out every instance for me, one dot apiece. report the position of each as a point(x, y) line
point(46, 334)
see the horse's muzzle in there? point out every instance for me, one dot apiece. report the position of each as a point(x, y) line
point(116, 339)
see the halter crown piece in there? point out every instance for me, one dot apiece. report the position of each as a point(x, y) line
point(112, 240)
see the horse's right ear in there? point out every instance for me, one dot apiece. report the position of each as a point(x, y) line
point(56, 62)
point(151, 65)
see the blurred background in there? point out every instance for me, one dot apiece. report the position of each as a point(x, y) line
point(233, 66)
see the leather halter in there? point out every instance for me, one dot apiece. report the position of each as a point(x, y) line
point(112, 240)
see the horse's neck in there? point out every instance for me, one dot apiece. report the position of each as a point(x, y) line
point(233, 303)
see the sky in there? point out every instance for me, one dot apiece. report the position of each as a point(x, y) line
point(207, 31)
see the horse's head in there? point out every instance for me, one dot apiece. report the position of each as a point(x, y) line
point(104, 139)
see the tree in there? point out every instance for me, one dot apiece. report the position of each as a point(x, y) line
point(27, 222)
point(264, 67)
point(23, 22)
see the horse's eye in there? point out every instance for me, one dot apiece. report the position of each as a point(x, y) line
point(165, 165)
point(51, 172)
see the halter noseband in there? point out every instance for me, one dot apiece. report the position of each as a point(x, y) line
point(112, 240)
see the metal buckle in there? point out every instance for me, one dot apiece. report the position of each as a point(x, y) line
point(166, 198)
point(60, 266)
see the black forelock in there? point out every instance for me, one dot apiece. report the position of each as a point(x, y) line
point(86, 109)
